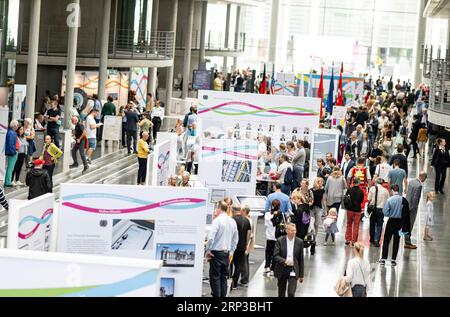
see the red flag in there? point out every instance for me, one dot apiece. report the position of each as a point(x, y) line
point(340, 96)
point(263, 85)
point(320, 94)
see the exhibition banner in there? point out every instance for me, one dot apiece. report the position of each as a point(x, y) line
point(285, 84)
point(243, 116)
point(229, 165)
point(138, 83)
point(112, 128)
point(158, 165)
point(20, 92)
point(160, 223)
point(175, 141)
point(4, 113)
point(323, 141)
point(338, 117)
point(30, 223)
point(49, 274)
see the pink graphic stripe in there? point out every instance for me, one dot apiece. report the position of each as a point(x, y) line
point(254, 107)
point(136, 209)
point(32, 232)
point(233, 153)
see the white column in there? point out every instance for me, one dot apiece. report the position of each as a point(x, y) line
point(33, 54)
point(169, 76)
point(237, 35)
point(71, 64)
point(153, 71)
point(420, 40)
point(187, 50)
point(227, 36)
point(103, 68)
point(201, 55)
point(274, 31)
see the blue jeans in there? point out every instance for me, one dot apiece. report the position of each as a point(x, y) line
point(376, 225)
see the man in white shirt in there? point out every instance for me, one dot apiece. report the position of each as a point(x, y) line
point(222, 242)
point(378, 196)
point(282, 169)
point(382, 170)
point(157, 118)
point(382, 121)
point(91, 132)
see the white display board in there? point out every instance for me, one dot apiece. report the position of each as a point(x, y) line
point(323, 141)
point(4, 112)
point(112, 128)
point(158, 165)
point(48, 274)
point(243, 116)
point(338, 117)
point(20, 92)
point(285, 84)
point(161, 223)
point(30, 223)
point(173, 138)
point(229, 165)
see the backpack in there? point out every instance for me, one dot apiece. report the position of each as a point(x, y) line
point(347, 202)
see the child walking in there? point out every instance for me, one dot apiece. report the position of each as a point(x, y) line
point(429, 221)
point(330, 225)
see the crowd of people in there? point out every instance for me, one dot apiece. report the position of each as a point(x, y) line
point(368, 180)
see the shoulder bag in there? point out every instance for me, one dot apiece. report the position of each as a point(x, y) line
point(342, 288)
point(371, 209)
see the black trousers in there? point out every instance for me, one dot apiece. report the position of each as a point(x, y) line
point(441, 174)
point(270, 248)
point(245, 276)
point(79, 147)
point(99, 131)
point(290, 282)
point(239, 265)
point(156, 126)
point(142, 172)
point(18, 167)
point(50, 169)
point(124, 134)
point(131, 134)
point(415, 148)
point(393, 226)
point(190, 165)
point(218, 273)
point(54, 134)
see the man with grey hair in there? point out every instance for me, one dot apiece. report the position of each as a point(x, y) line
point(80, 144)
point(11, 151)
point(185, 180)
point(413, 195)
point(281, 173)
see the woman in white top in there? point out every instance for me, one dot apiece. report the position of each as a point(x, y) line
point(358, 272)
point(429, 221)
point(270, 236)
point(382, 169)
point(157, 118)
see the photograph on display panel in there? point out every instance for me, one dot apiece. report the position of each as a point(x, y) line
point(236, 171)
point(132, 234)
point(166, 287)
point(175, 254)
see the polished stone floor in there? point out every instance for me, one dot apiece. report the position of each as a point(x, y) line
point(421, 272)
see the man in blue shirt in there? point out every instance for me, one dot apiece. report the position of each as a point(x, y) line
point(393, 210)
point(285, 206)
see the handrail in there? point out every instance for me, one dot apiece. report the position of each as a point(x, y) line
point(126, 43)
point(214, 41)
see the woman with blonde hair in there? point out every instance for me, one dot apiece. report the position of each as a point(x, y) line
point(334, 190)
point(318, 204)
point(29, 135)
point(358, 272)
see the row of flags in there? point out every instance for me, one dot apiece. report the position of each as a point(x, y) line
point(320, 94)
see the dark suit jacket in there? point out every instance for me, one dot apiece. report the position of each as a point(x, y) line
point(280, 254)
point(438, 157)
point(349, 167)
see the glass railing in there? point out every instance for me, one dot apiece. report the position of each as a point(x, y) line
point(215, 41)
point(123, 44)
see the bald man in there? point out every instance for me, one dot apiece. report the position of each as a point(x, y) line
point(413, 195)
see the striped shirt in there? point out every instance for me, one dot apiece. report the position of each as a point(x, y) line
point(3, 201)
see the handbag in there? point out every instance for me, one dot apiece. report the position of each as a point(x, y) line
point(342, 288)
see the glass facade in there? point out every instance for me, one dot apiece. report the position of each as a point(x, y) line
point(376, 36)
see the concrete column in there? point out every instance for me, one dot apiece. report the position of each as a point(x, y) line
point(71, 64)
point(33, 52)
point(169, 76)
point(237, 35)
point(420, 40)
point(104, 50)
point(187, 50)
point(201, 54)
point(153, 71)
point(227, 36)
point(274, 31)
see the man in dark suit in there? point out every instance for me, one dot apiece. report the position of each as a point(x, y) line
point(289, 265)
point(347, 164)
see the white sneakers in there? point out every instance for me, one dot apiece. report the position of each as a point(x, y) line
point(18, 183)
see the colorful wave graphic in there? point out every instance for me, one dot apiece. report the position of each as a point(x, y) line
point(233, 151)
point(39, 221)
point(289, 88)
point(139, 281)
point(177, 203)
point(277, 111)
point(4, 127)
point(162, 159)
